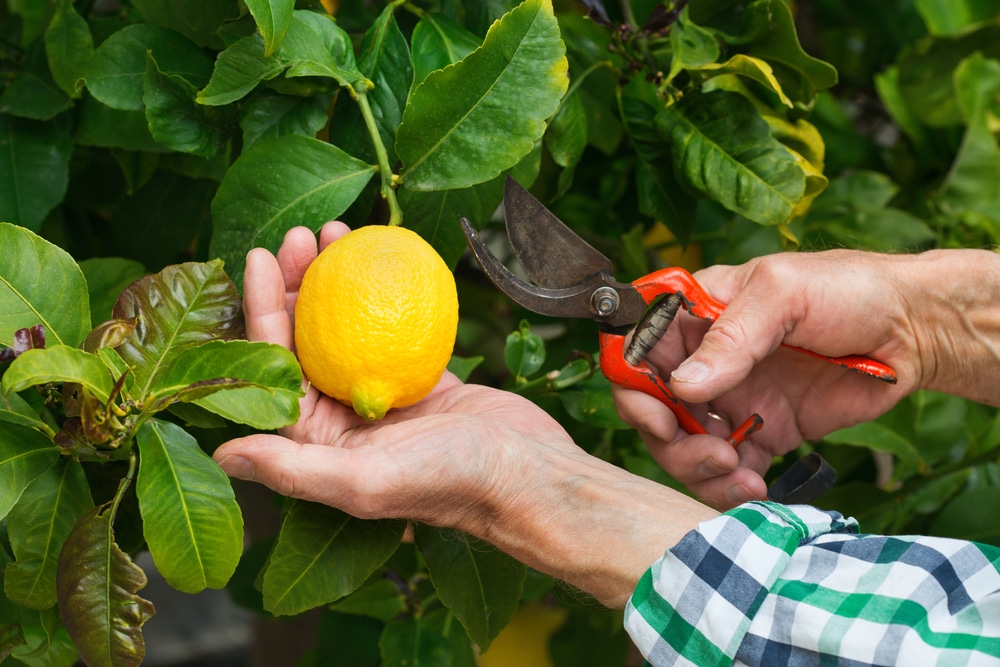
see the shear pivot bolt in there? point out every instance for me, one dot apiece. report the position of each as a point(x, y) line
point(604, 301)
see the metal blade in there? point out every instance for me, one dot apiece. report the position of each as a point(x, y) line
point(551, 253)
point(585, 299)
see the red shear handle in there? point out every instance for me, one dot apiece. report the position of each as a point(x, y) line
point(642, 378)
point(700, 304)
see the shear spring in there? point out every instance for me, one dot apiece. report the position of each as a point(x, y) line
point(652, 327)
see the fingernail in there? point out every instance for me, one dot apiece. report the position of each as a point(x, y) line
point(713, 468)
point(237, 466)
point(691, 372)
point(738, 494)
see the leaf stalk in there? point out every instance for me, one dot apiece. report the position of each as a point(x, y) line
point(385, 170)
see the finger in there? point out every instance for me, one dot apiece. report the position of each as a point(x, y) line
point(264, 301)
point(298, 250)
point(330, 232)
point(311, 472)
point(644, 413)
point(727, 491)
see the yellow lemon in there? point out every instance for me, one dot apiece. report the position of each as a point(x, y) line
point(376, 319)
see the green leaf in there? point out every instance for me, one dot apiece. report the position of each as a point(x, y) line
point(692, 45)
point(323, 554)
point(379, 599)
point(437, 42)
point(267, 115)
point(384, 60)
point(952, 17)
point(967, 517)
point(119, 65)
point(313, 46)
point(590, 402)
point(38, 525)
point(524, 352)
point(412, 642)
point(723, 150)
point(16, 410)
point(273, 18)
point(46, 642)
point(971, 183)
point(32, 92)
point(59, 363)
point(660, 195)
point(34, 170)
point(770, 35)
point(279, 184)
point(106, 278)
point(566, 138)
point(175, 119)
point(460, 367)
point(97, 584)
point(468, 123)
point(24, 455)
point(179, 308)
point(40, 284)
point(480, 584)
point(435, 215)
point(102, 126)
point(69, 47)
point(876, 437)
point(201, 21)
point(191, 521)
point(747, 67)
point(215, 366)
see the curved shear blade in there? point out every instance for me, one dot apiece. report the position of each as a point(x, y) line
point(550, 252)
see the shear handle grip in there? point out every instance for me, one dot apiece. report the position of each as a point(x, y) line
point(697, 302)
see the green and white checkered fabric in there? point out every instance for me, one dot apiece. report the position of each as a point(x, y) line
point(768, 584)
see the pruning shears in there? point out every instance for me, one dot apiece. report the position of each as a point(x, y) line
point(572, 279)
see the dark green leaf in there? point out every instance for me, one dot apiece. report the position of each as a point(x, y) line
point(268, 114)
point(34, 169)
point(200, 372)
point(59, 363)
point(693, 46)
point(273, 18)
point(660, 195)
point(478, 583)
point(16, 410)
point(116, 73)
point(201, 21)
point(345, 639)
point(723, 150)
point(313, 46)
point(97, 585)
point(411, 643)
point(323, 554)
point(524, 352)
point(589, 640)
point(46, 642)
point(438, 42)
point(435, 215)
point(175, 119)
point(24, 455)
point(590, 402)
point(191, 521)
point(971, 516)
point(384, 59)
point(379, 599)
point(106, 278)
point(971, 184)
point(40, 284)
point(32, 92)
point(38, 525)
point(279, 184)
point(876, 437)
point(179, 308)
point(566, 138)
point(100, 125)
point(461, 367)
point(69, 47)
point(468, 123)
point(952, 17)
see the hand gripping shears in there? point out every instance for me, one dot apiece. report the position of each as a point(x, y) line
point(572, 279)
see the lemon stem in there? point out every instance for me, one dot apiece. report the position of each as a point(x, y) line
point(385, 170)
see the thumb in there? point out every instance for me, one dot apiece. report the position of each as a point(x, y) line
point(747, 331)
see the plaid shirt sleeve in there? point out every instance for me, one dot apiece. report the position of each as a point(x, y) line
point(768, 584)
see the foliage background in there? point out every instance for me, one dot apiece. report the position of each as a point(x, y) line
point(899, 153)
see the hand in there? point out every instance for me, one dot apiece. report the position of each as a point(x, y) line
point(835, 303)
point(470, 457)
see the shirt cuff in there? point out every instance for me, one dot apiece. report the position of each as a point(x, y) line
point(694, 605)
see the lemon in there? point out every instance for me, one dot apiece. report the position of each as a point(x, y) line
point(375, 319)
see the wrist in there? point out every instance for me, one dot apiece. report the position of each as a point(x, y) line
point(956, 322)
point(589, 523)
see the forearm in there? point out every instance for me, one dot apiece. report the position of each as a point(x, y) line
point(591, 524)
point(951, 296)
